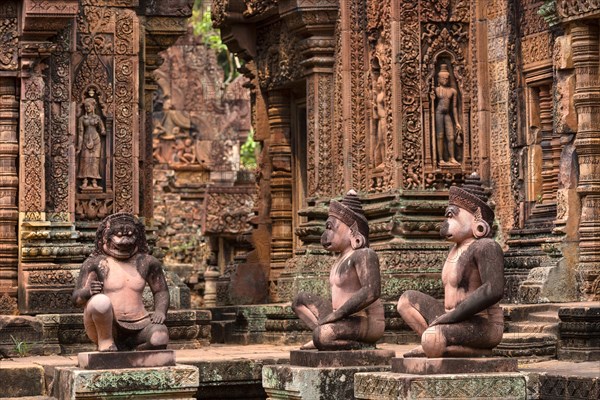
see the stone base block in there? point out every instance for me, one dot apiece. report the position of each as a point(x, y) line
point(178, 382)
point(344, 358)
point(290, 382)
point(21, 380)
point(579, 333)
point(429, 366)
point(389, 385)
point(126, 359)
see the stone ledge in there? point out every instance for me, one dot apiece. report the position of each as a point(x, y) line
point(21, 381)
point(340, 358)
point(285, 382)
point(426, 366)
point(180, 381)
point(393, 386)
point(126, 359)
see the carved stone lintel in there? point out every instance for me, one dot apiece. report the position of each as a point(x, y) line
point(43, 19)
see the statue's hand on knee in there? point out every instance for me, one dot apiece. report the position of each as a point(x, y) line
point(96, 287)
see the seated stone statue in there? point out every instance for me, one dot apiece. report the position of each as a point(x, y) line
point(353, 318)
point(110, 286)
point(470, 322)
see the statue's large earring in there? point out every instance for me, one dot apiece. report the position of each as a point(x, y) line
point(479, 227)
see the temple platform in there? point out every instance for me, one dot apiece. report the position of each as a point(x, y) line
point(235, 372)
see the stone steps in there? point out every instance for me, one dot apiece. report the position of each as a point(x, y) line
point(531, 332)
point(527, 347)
point(528, 327)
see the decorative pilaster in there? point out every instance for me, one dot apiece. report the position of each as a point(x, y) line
point(319, 104)
point(587, 143)
point(32, 149)
point(9, 182)
point(281, 181)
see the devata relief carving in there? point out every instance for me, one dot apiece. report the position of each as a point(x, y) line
point(380, 125)
point(448, 132)
point(89, 146)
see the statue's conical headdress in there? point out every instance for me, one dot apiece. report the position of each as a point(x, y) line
point(473, 198)
point(350, 211)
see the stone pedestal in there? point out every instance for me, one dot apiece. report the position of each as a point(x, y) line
point(322, 375)
point(444, 378)
point(436, 366)
point(126, 359)
point(177, 382)
point(579, 333)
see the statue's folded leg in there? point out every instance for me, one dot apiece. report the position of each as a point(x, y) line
point(418, 310)
point(153, 336)
point(98, 321)
point(310, 307)
point(471, 338)
point(355, 332)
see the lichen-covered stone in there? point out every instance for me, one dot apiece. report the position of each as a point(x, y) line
point(287, 382)
point(180, 381)
point(388, 386)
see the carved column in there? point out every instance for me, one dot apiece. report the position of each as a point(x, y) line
point(281, 181)
point(319, 104)
point(587, 142)
point(32, 150)
point(551, 146)
point(9, 182)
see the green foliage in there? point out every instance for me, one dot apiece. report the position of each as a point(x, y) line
point(202, 26)
point(21, 346)
point(248, 152)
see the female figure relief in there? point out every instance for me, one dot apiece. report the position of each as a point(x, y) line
point(89, 145)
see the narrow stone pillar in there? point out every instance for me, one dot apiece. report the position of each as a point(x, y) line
point(587, 143)
point(281, 181)
point(9, 182)
point(551, 146)
point(319, 104)
point(210, 287)
point(32, 149)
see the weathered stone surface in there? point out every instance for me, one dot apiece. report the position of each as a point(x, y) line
point(433, 366)
point(341, 358)
point(388, 386)
point(579, 333)
point(21, 380)
point(290, 382)
point(179, 381)
point(126, 359)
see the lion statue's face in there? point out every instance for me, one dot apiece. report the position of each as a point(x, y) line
point(121, 240)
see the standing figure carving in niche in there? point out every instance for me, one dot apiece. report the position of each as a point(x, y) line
point(379, 115)
point(110, 287)
point(470, 321)
point(447, 127)
point(89, 146)
point(353, 318)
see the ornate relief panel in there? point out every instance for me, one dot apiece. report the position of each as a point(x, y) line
point(381, 141)
point(59, 173)
point(8, 36)
point(105, 92)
